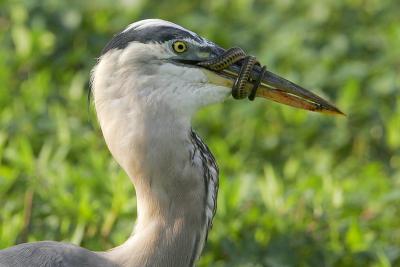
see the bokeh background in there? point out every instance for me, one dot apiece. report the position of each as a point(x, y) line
point(296, 188)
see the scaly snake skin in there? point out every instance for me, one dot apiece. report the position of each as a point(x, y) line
point(230, 57)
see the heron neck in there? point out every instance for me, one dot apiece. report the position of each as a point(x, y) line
point(159, 244)
point(155, 151)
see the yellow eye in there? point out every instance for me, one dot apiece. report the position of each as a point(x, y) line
point(179, 46)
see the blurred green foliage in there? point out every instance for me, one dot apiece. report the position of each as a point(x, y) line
point(296, 188)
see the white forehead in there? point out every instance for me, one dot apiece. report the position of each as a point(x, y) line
point(147, 23)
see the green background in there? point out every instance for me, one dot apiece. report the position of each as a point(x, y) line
point(296, 188)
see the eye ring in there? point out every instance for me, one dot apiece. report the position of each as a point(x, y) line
point(179, 46)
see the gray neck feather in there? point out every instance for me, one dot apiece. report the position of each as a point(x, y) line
point(169, 178)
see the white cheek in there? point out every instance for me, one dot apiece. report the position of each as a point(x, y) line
point(189, 88)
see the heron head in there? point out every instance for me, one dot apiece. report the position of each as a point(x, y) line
point(157, 62)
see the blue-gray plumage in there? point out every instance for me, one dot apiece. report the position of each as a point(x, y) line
point(49, 253)
point(158, 34)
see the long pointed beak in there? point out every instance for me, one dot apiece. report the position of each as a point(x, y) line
point(278, 89)
point(275, 88)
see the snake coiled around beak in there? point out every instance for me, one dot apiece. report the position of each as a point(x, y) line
point(231, 56)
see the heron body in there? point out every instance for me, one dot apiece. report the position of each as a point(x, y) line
point(50, 253)
point(146, 88)
point(144, 106)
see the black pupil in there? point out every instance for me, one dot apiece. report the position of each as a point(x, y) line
point(180, 47)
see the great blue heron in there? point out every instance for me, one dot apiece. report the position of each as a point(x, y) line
point(146, 85)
